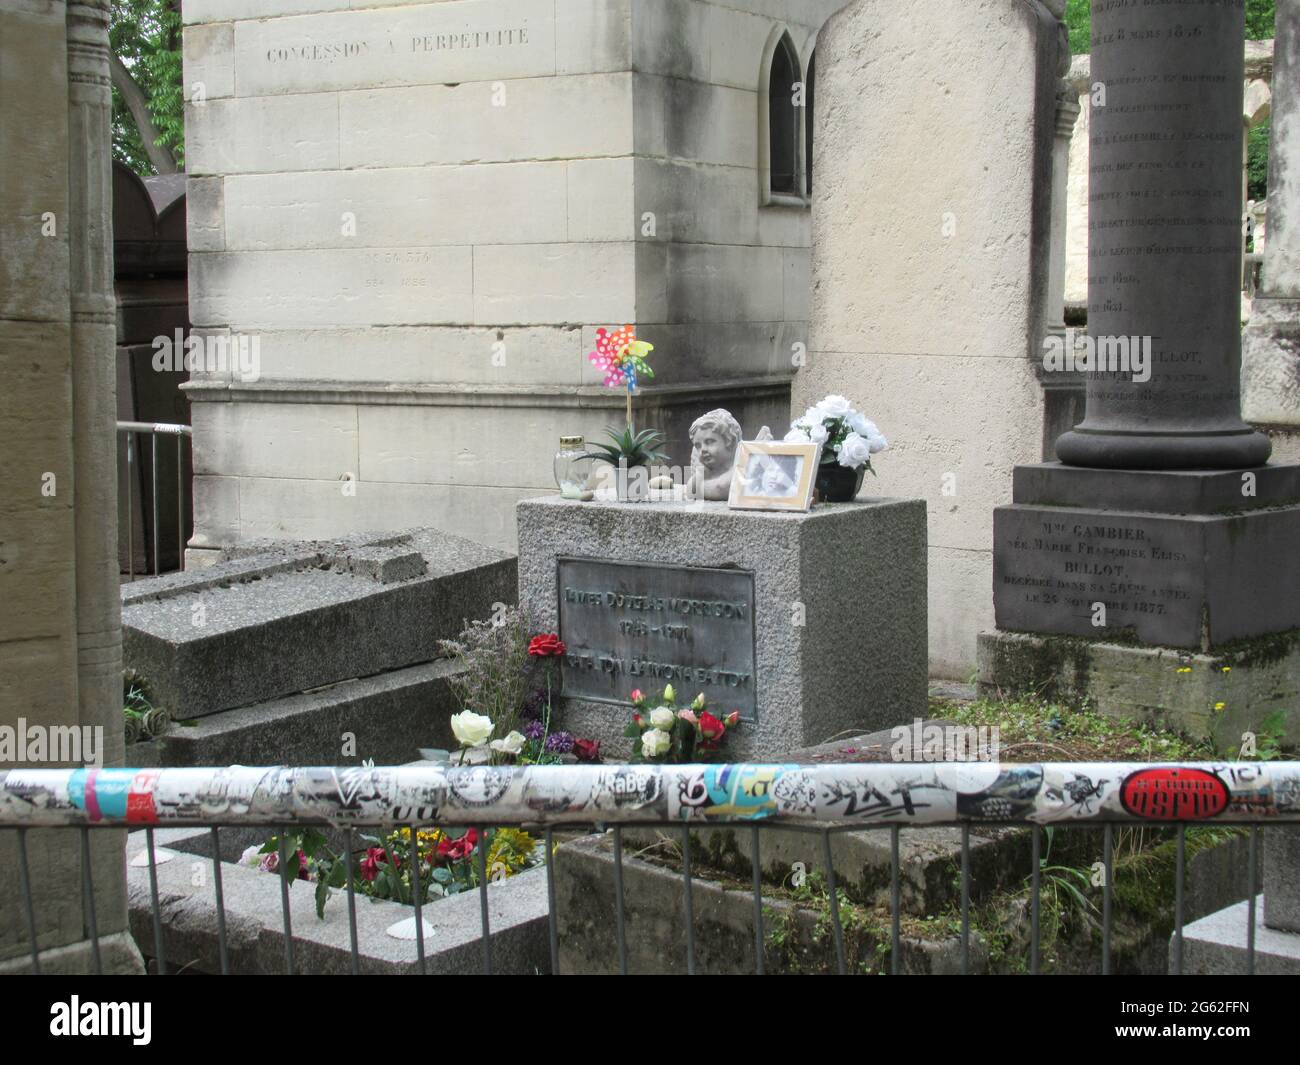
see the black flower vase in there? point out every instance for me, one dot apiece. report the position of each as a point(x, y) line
point(836, 483)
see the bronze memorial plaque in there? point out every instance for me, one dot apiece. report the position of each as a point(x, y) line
point(627, 626)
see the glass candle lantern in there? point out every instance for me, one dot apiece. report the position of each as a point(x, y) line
point(573, 468)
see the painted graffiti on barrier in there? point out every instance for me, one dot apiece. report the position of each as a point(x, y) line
point(888, 793)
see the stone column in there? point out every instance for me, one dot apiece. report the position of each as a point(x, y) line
point(60, 644)
point(1163, 526)
point(1271, 366)
point(1164, 256)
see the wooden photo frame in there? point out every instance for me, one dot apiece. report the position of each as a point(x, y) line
point(773, 475)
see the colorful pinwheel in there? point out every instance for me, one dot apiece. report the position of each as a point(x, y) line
point(622, 359)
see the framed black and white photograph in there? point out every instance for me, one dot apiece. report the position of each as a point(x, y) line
point(773, 475)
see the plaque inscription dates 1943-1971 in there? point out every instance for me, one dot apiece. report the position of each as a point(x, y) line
point(629, 626)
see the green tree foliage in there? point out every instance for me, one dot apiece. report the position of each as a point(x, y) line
point(145, 36)
point(1259, 27)
point(1257, 162)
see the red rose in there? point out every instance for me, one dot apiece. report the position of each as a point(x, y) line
point(733, 719)
point(637, 697)
point(710, 727)
point(547, 644)
point(370, 863)
point(455, 849)
point(587, 750)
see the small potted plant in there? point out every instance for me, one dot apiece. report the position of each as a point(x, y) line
point(848, 439)
point(624, 360)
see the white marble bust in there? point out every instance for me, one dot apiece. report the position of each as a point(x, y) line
point(714, 437)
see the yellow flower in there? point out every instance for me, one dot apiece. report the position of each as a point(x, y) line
point(1219, 706)
point(1227, 669)
point(511, 848)
point(1184, 669)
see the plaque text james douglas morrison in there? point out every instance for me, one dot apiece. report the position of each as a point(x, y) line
point(632, 626)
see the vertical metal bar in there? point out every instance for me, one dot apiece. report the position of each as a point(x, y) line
point(895, 904)
point(840, 964)
point(483, 903)
point(130, 507)
point(690, 901)
point(88, 900)
point(417, 896)
point(553, 928)
point(758, 900)
point(352, 904)
point(1108, 847)
point(1250, 904)
point(159, 955)
point(1035, 897)
point(1180, 869)
point(153, 447)
point(221, 903)
point(283, 869)
point(25, 885)
point(620, 923)
point(180, 502)
point(965, 899)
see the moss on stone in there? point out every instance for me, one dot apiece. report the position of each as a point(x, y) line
point(1266, 650)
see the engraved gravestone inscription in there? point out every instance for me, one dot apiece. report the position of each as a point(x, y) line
point(628, 626)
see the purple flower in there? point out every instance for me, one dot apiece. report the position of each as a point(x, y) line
point(559, 742)
point(534, 730)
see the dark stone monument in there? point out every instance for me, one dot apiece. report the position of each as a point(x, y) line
point(1162, 525)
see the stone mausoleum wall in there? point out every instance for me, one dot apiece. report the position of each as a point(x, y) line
point(422, 239)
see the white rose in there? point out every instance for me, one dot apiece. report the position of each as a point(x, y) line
point(836, 407)
point(655, 742)
point(796, 436)
point(818, 434)
point(512, 744)
point(877, 442)
point(661, 717)
point(861, 424)
point(252, 856)
point(471, 729)
point(854, 451)
point(814, 416)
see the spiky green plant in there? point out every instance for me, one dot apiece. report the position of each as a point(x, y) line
point(637, 449)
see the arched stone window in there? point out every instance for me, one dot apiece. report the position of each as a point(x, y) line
point(783, 125)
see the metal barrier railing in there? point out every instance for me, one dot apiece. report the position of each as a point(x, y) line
point(822, 799)
point(153, 430)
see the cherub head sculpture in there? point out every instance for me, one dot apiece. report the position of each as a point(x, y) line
point(714, 437)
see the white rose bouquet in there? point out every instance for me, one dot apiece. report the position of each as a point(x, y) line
point(665, 733)
point(848, 438)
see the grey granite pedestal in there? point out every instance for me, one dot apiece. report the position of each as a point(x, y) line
point(810, 624)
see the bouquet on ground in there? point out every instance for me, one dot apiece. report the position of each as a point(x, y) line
point(536, 741)
point(447, 864)
point(666, 734)
point(847, 436)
